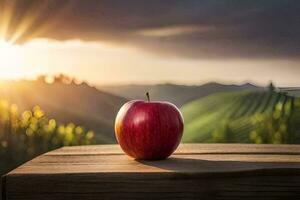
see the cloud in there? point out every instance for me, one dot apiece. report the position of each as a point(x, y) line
point(172, 31)
point(192, 28)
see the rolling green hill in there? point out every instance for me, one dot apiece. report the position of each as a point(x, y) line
point(292, 91)
point(252, 116)
point(177, 94)
point(77, 103)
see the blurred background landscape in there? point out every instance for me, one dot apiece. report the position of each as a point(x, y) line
point(66, 68)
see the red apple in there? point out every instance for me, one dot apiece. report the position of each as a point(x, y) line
point(149, 130)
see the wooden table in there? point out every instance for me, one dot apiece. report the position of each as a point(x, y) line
point(195, 171)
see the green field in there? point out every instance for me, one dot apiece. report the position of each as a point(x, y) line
point(253, 116)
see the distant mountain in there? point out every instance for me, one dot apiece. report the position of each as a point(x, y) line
point(262, 116)
point(177, 94)
point(81, 104)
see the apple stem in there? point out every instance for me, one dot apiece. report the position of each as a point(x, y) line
point(148, 96)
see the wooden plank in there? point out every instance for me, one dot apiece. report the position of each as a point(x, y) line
point(206, 171)
point(183, 163)
point(187, 149)
point(153, 186)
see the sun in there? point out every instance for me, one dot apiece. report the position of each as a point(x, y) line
point(11, 60)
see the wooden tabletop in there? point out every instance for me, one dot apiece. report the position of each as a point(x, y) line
point(207, 171)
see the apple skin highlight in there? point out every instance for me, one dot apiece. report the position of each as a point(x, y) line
point(149, 130)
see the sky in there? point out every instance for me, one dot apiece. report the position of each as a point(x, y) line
point(139, 41)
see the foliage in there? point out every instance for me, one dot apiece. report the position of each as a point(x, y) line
point(264, 116)
point(274, 127)
point(26, 135)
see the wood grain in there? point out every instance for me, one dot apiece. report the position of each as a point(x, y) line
point(187, 149)
point(194, 171)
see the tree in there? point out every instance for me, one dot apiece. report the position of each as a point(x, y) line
point(271, 87)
